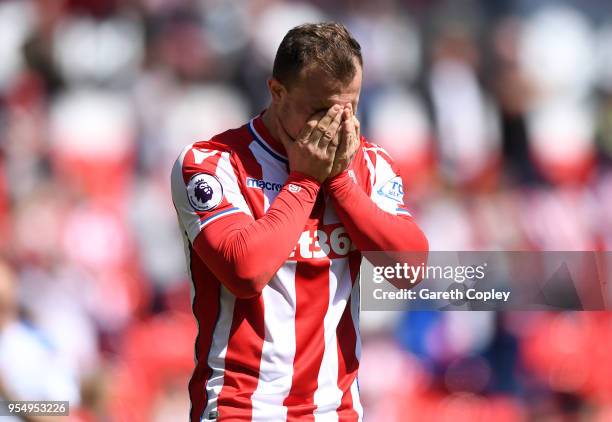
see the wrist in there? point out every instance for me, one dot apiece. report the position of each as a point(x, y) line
point(338, 180)
point(299, 177)
point(303, 180)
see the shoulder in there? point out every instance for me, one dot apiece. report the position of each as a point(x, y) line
point(213, 156)
point(374, 150)
point(378, 162)
point(201, 151)
point(375, 154)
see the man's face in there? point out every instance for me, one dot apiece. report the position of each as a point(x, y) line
point(314, 93)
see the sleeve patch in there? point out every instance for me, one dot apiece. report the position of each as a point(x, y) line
point(393, 190)
point(204, 192)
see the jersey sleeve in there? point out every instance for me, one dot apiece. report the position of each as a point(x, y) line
point(242, 252)
point(205, 188)
point(377, 221)
point(387, 190)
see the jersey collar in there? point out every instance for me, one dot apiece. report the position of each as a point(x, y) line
point(263, 137)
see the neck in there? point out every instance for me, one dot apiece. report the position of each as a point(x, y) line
point(270, 122)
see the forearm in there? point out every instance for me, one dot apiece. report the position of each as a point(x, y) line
point(371, 228)
point(244, 253)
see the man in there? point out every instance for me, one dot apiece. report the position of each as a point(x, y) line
point(30, 368)
point(275, 215)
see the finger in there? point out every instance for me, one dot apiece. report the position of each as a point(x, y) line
point(345, 140)
point(356, 139)
point(349, 127)
point(346, 114)
point(348, 108)
point(353, 122)
point(324, 124)
point(306, 132)
point(304, 135)
point(331, 134)
point(357, 125)
point(332, 149)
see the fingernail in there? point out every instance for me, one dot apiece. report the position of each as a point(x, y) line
point(336, 107)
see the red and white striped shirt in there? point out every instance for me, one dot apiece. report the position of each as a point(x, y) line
point(274, 260)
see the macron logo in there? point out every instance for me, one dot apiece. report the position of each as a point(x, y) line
point(262, 184)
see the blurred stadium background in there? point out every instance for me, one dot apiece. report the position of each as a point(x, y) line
point(499, 112)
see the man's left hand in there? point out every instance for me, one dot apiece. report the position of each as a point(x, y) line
point(349, 141)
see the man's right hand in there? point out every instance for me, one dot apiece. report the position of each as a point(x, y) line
point(314, 149)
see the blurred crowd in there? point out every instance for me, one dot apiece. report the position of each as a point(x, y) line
point(499, 115)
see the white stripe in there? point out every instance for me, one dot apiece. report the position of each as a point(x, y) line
point(371, 169)
point(272, 171)
point(278, 351)
point(356, 402)
point(384, 173)
point(328, 396)
point(218, 349)
point(355, 307)
point(186, 216)
point(375, 148)
point(199, 155)
point(231, 189)
point(330, 216)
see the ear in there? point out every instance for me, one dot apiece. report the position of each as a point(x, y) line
point(277, 90)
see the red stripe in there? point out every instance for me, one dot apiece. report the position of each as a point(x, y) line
point(242, 360)
point(347, 359)
point(312, 296)
point(205, 310)
point(190, 168)
point(383, 153)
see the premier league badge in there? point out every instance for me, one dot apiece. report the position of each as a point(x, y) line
point(204, 192)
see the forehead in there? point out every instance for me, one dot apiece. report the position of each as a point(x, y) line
point(319, 90)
